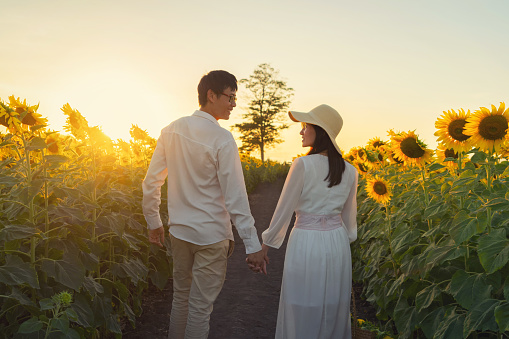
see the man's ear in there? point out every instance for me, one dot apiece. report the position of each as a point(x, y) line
point(211, 96)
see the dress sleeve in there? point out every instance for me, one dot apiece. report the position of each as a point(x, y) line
point(292, 189)
point(349, 213)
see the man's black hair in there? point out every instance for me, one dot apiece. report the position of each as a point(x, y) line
point(217, 81)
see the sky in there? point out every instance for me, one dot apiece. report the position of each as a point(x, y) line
point(382, 64)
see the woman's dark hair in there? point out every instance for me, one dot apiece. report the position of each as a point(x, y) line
point(336, 161)
point(217, 81)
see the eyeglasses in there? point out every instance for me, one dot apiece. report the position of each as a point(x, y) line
point(303, 124)
point(233, 97)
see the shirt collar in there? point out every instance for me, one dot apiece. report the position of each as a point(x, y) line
point(205, 115)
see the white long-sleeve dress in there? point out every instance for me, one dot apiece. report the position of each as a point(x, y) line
point(317, 275)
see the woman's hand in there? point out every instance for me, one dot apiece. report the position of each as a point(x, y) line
point(265, 250)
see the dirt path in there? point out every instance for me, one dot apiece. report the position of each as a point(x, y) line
point(247, 305)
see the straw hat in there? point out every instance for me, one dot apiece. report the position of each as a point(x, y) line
point(324, 116)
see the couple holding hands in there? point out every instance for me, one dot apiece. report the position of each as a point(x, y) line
point(206, 190)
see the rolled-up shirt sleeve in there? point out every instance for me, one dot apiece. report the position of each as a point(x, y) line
point(154, 179)
point(231, 180)
point(349, 213)
point(292, 190)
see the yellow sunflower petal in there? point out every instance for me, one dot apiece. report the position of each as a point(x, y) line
point(378, 189)
point(488, 129)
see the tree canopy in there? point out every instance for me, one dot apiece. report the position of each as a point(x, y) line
point(269, 98)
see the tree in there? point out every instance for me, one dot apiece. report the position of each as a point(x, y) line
point(269, 97)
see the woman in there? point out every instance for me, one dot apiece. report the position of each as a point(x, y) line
point(317, 278)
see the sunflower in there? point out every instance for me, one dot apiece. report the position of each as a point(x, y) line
point(55, 142)
point(138, 134)
point(376, 142)
point(356, 154)
point(504, 150)
point(75, 122)
point(378, 189)
point(408, 148)
point(28, 114)
point(443, 153)
point(361, 166)
point(451, 127)
point(488, 129)
point(9, 118)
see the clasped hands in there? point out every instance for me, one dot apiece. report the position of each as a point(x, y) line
point(258, 261)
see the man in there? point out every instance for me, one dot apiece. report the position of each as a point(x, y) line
point(205, 190)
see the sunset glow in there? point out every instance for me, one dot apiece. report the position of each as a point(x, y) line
point(382, 65)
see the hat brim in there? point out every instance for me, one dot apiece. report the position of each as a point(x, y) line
point(309, 119)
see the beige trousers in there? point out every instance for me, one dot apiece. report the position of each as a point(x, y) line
point(198, 276)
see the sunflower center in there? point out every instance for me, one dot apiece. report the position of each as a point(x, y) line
point(379, 188)
point(455, 130)
point(29, 120)
point(493, 127)
point(411, 148)
point(377, 144)
point(74, 122)
point(363, 168)
point(449, 153)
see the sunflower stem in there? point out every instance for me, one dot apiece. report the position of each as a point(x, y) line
point(460, 162)
point(489, 182)
point(426, 196)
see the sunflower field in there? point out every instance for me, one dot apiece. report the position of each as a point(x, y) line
point(433, 246)
point(74, 255)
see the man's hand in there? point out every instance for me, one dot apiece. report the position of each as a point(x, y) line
point(156, 236)
point(258, 261)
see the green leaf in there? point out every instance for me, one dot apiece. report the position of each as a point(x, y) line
point(463, 230)
point(30, 326)
point(102, 310)
point(36, 143)
point(506, 289)
point(159, 279)
point(434, 210)
point(403, 237)
point(66, 273)
point(395, 285)
point(451, 326)
point(426, 296)
point(493, 250)
point(502, 316)
point(46, 304)
point(72, 334)
point(405, 318)
point(15, 232)
point(92, 286)
point(129, 313)
point(133, 269)
point(431, 322)
point(439, 254)
point(479, 157)
point(83, 311)
point(481, 317)
point(122, 290)
point(469, 289)
point(435, 167)
point(61, 323)
point(71, 314)
point(56, 158)
point(113, 325)
point(20, 297)
point(17, 272)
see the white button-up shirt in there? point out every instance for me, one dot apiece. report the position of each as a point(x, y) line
point(205, 183)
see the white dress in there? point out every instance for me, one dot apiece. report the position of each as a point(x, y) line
point(317, 276)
